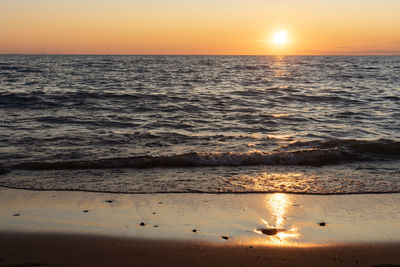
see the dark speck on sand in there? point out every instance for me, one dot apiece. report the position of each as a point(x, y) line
point(86, 211)
point(225, 237)
point(322, 224)
point(16, 214)
point(142, 224)
point(110, 201)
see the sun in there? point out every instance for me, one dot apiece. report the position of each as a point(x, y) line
point(280, 38)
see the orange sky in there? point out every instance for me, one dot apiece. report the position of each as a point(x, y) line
point(199, 27)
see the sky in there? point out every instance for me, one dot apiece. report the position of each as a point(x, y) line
point(212, 27)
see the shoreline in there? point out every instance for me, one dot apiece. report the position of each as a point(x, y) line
point(5, 187)
point(182, 229)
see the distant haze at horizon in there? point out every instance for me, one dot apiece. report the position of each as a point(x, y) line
point(199, 28)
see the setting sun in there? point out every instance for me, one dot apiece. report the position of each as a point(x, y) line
point(280, 38)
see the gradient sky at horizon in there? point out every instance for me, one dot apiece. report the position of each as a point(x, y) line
point(199, 27)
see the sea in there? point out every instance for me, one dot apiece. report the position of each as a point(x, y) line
point(200, 124)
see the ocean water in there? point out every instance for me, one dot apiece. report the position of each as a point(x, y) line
point(212, 124)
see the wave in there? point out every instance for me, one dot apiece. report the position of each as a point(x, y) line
point(306, 157)
point(72, 98)
point(251, 67)
point(19, 69)
point(364, 149)
point(323, 153)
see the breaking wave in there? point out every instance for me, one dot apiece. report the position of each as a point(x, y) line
point(322, 153)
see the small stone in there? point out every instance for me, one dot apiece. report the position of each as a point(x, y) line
point(110, 201)
point(16, 214)
point(322, 224)
point(154, 213)
point(142, 224)
point(251, 247)
point(155, 226)
point(225, 237)
point(268, 231)
point(194, 230)
point(160, 202)
point(86, 211)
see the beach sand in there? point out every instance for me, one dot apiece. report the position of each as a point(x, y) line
point(82, 250)
point(99, 229)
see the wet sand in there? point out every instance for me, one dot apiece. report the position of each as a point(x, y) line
point(95, 229)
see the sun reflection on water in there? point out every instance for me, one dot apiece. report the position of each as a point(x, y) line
point(279, 68)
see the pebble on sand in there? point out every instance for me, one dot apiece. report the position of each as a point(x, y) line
point(86, 211)
point(16, 214)
point(109, 201)
point(322, 224)
point(270, 231)
point(194, 230)
point(142, 224)
point(225, 237)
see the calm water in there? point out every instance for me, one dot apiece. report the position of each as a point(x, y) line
point(309, 124)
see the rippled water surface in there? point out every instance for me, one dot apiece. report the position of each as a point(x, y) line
point(309, 124)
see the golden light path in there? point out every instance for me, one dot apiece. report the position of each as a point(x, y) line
point(278, 232)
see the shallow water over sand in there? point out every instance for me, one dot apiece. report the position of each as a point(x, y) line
point(368, 177)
